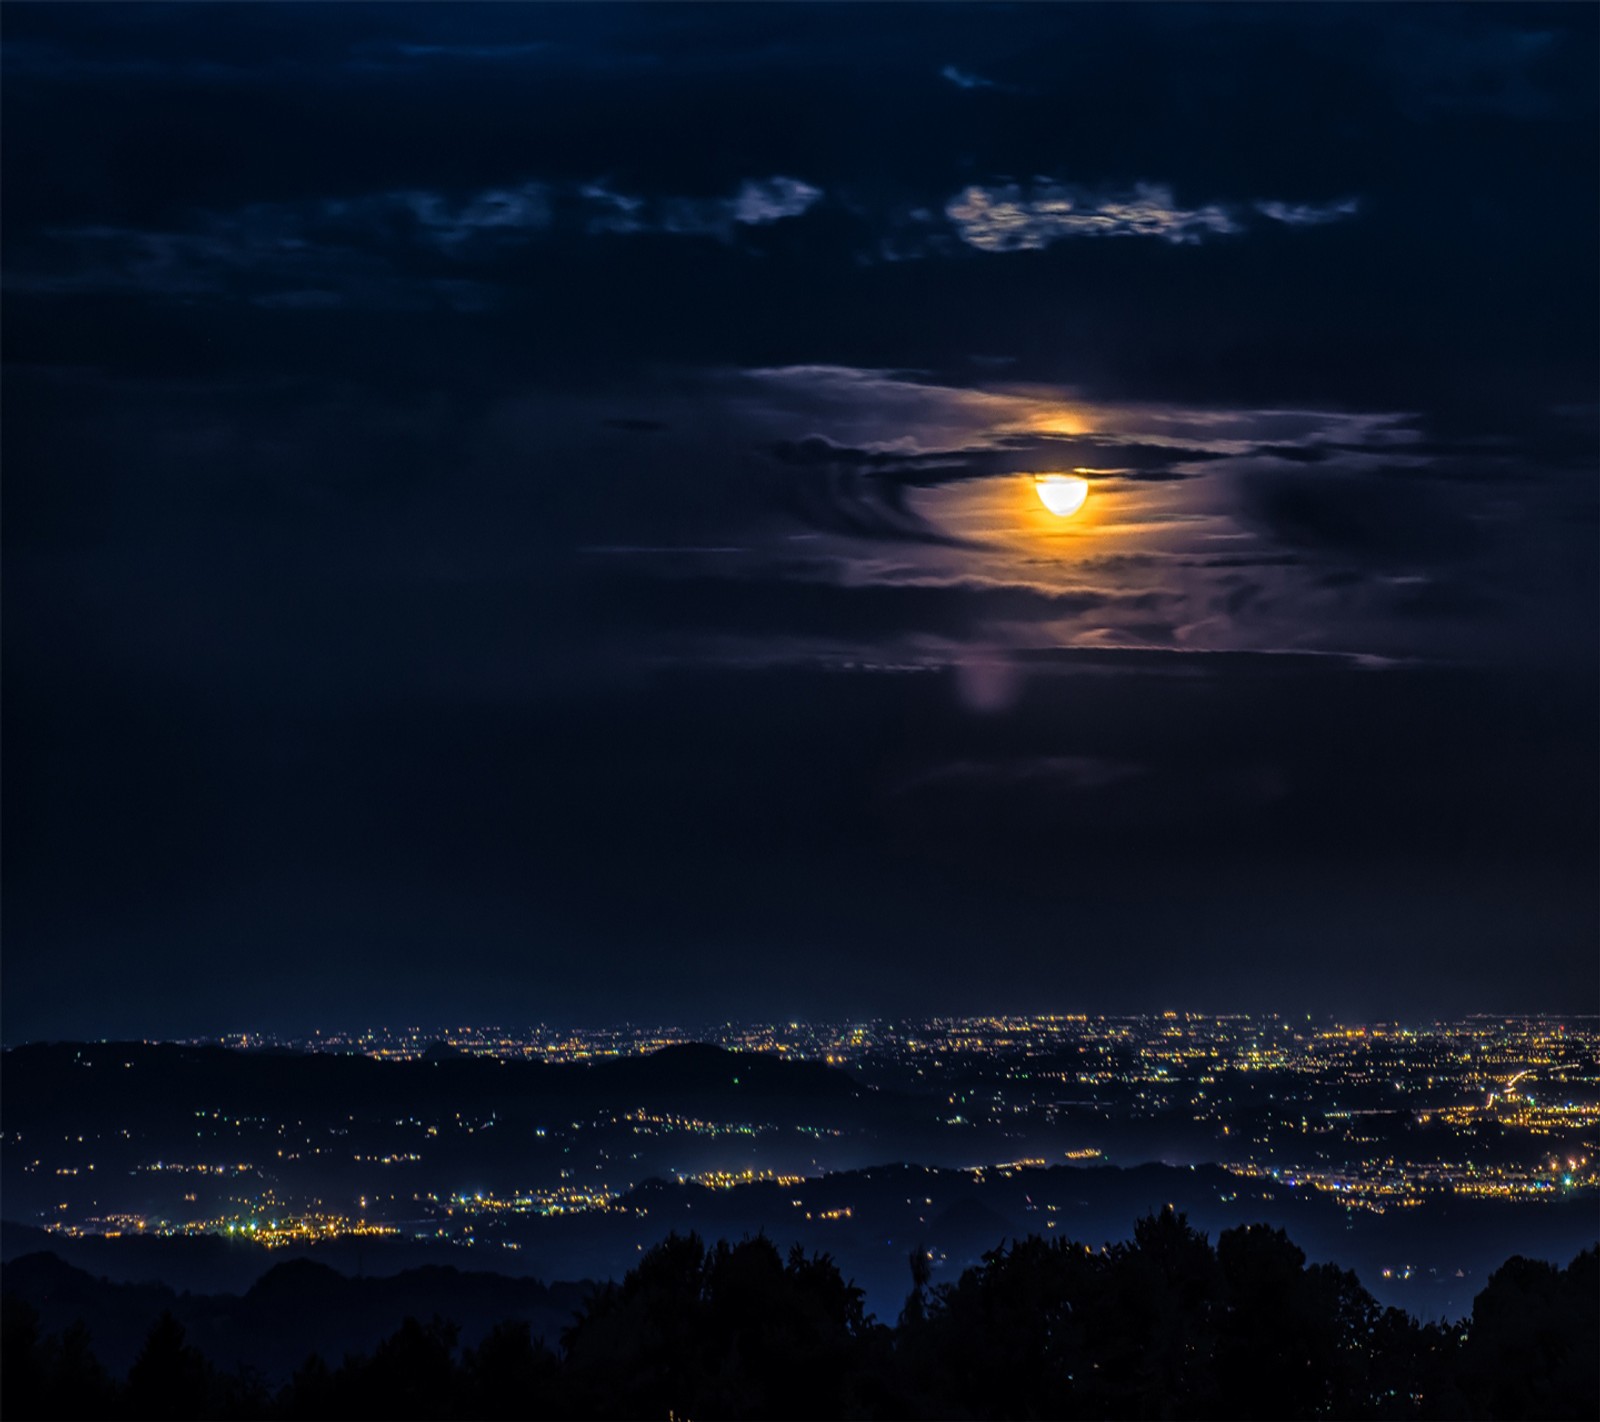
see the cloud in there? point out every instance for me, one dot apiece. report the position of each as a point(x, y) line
point(616, 212)
point(1481, 65)
point(302, 252)
point(1363, 516)
point(1318, 504)
point(777, 610)
point(772, 200)
point(1061, 772)
point(527, 206)
point(1006, 457)
point(361, 251)
point(858, 492)
point(885, 410)
point(892, 418)
point(815, 451)
point(962, 79)
point(498, 52)
point(758, 202)
point(1008, 218)
point(1307, 214)
point(333, 255)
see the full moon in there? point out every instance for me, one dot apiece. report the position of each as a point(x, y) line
point(1062, 494)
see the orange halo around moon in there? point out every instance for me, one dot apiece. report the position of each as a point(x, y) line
point(1062, 494)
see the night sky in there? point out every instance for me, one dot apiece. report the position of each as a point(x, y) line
point(522, 514)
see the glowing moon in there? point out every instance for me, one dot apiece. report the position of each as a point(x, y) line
point(1062, 494)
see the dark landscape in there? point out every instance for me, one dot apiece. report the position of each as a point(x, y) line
point(1163, 1326)
point(465, 1204)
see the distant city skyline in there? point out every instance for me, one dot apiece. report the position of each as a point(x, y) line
point(587, 1146)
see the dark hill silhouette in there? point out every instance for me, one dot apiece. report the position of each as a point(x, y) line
point(117, 1081)
point(969, 1227)
point(290, 1281)
point(294, 1309)
point(442, 1052)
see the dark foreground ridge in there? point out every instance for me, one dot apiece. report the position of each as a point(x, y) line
point(1167, 1325)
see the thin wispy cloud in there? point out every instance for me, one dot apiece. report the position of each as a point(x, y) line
point(756, 203)
point(291, 254)
point(772, 200)
point(964, 79)
point(1306, 214)
point(1012, 217)
point(499, 52)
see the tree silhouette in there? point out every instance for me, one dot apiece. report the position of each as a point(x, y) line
point(727, 1332)
point(1295, 1339)
point(169, 1379)
point(22, 1374)
point(312, 1392)
point(916, 1304)
point(411, 1374)
point(1413, 1369)
point(1531, 1344)
point(1162, 1326)
point(509, 1375)
point(50, 1377)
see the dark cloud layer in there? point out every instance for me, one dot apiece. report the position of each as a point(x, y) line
point(505, 510)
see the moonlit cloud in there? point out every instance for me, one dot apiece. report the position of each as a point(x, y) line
point(527, 206)
point(504, 212)
point(502, 52)
point(292, 255)
point(1010, 218)
point(894, 413)
point(1067, 772)
point(1307, 214)
point(757, 203)
point(880, 409)
point(869, 461)
point(772, 199)
point(962, 79)
point(612, 212)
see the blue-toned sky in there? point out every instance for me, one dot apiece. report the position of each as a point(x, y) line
point(523, 513)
